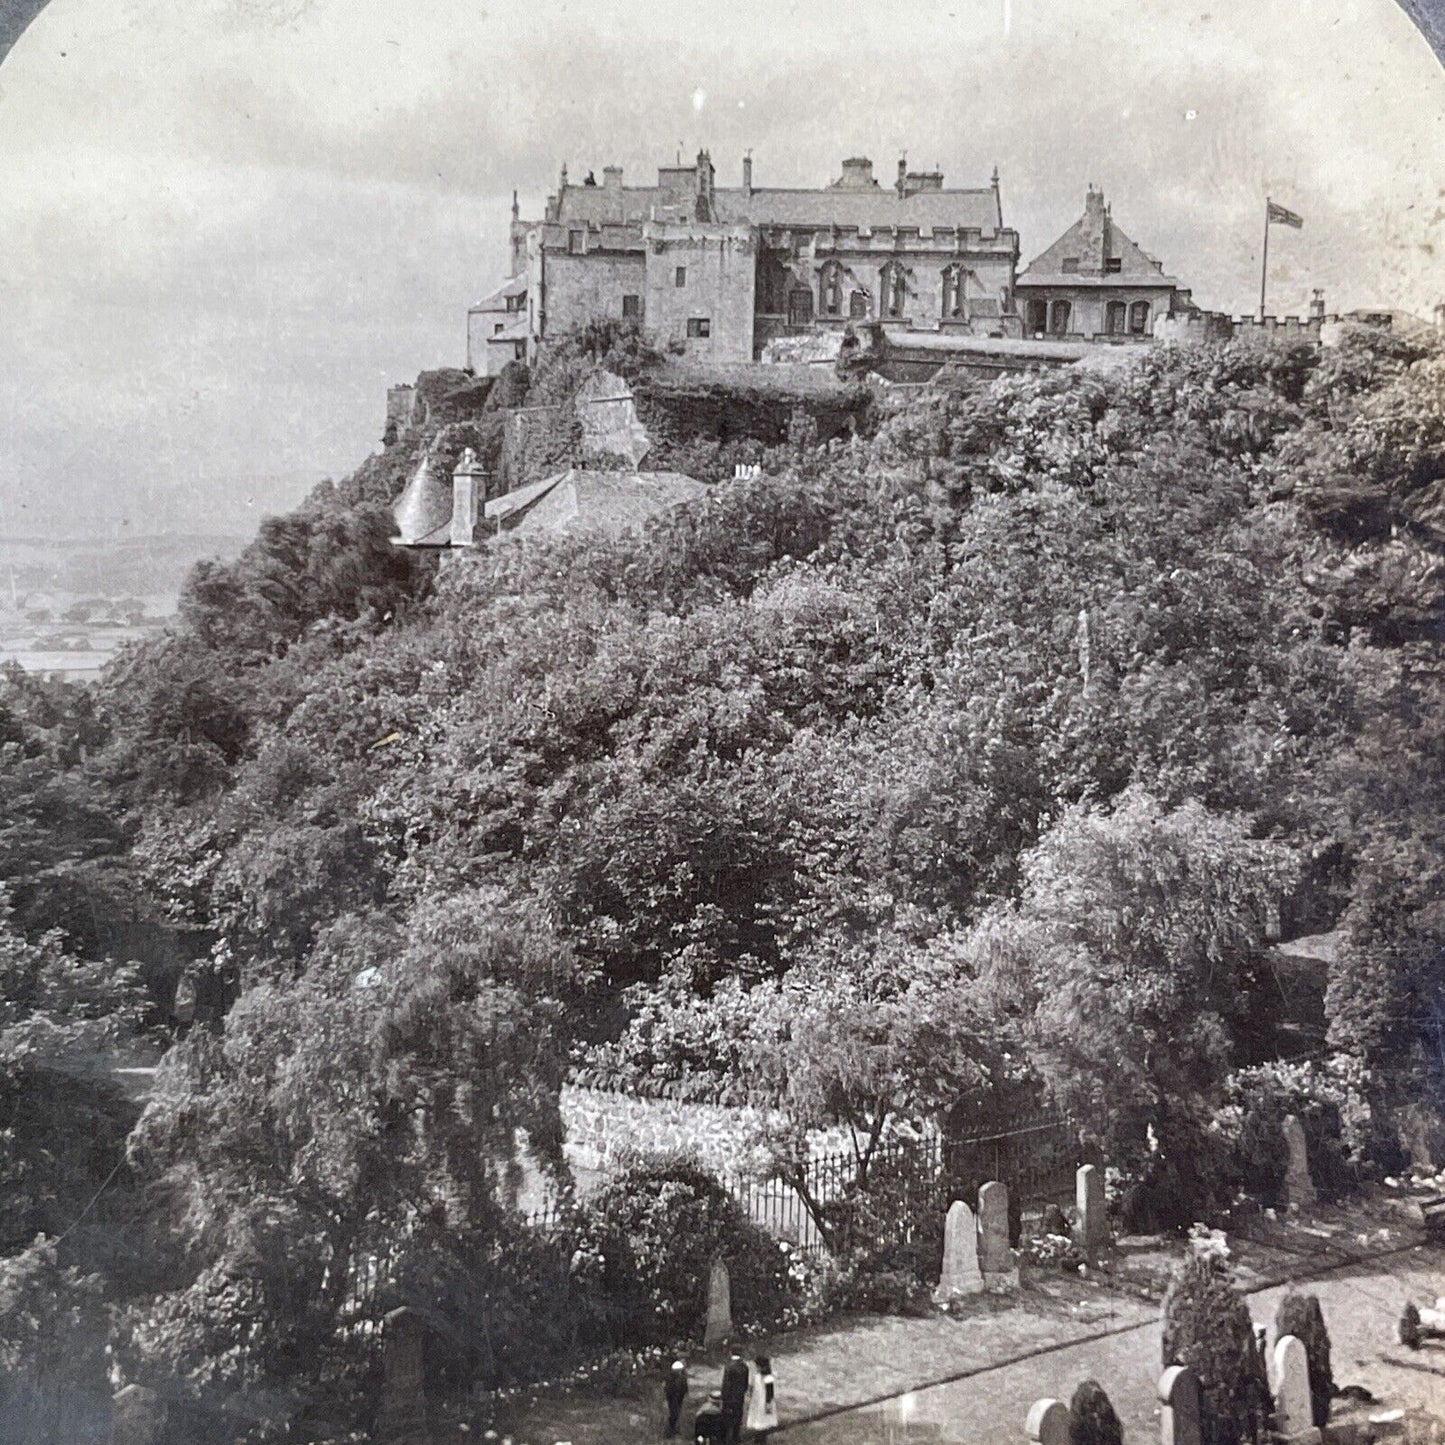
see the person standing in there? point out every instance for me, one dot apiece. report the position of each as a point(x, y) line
point(735, 1381)
point(707, 1426)
point(675, 1392)
point(762, 1402)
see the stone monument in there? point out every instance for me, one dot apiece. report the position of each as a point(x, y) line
point(402, 1419)
point(719, 1325)
point(1093, 1226)
point(1299, 1188)
point(1048, 1423)
point(1180, 1418)
point(995, 1258)
point(960, 1275)
point(1293, 1412)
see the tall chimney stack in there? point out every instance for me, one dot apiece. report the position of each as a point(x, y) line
point(748, 174)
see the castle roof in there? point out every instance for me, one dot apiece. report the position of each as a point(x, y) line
point(845, 206)
point(1081, 256)
point(423, 511)
point(588, 501)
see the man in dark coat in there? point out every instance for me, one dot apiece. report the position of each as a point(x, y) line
point(707, 1428)
point(675, 1391)
point(734, 1398)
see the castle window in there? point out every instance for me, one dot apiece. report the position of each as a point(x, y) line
point(830, 289)
point(1060, 314)
point(1139, 318)
point(518, 302)
point(497, 326)
point(858, 305)
point(955, 293)
point(679, 277)
point(699, 326)
point(1070, 266)
point(892, 289)
point(800, 306)
point(576, 242)
point(632, 306)
point(1114, 314)
point(1113, 264)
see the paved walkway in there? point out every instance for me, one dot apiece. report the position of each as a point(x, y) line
point(876, 1379)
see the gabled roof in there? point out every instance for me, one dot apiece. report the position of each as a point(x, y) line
point(517, 286)
point(587, 501)
point(1091, 242)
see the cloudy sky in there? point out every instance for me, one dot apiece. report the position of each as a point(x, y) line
point(227, 225)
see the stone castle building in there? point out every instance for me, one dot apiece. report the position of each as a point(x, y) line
point(719, 271)
point(1095, 283)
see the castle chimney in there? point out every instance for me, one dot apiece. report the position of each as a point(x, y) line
point(748, 174)
point(1317, 304)
point(469, 487)
point(902, 173)
point(562, 181)
point(612, 178)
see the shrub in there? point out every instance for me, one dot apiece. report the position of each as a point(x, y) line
point(1092, 1420)
point(658, 1225)
point(1300, 1315)
point(1207, 1327)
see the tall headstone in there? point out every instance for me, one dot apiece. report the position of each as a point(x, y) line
point(1293, 1412)
point(960, 1275)
point(1089, 1200)
point(402, 1419)
point(1299, 1188)
point(995, 1258)
point(1048, 1423)
point(719, 1325)
point(1182, 1407)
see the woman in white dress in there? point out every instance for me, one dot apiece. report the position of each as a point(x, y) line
point(762, 1401)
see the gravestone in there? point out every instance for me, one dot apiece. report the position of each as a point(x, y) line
point(960, 1275)
point(1299, 1188)
point(402, 1419)
point(1293, 1413)
point(1181, 1418)
point(1093, 1225)
point(1048, 1422)
point(995, 1258)
point(719, 1325)
point(138, 1417)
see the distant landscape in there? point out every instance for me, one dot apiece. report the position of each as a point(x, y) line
point(67, 603)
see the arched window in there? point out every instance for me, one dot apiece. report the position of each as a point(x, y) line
point(1060, 314)
point(1114, 315)
point(1139, 318)
point(858, 304)
point(955, 293)
point(892, 289)
point(830, 289)
point(1038, 317)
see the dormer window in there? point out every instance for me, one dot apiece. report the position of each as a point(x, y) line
point(1070, 266)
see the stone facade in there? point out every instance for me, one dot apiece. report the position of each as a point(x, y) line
point(719, 272)
point(1094, 283)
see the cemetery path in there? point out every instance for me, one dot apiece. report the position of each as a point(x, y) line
point(1361, 1303)
point(970, 1378)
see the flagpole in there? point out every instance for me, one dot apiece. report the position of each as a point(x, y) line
point(1264, 262)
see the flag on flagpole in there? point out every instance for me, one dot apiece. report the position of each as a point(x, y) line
point(1280, 215)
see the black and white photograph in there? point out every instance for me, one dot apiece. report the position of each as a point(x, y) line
point(722, 722)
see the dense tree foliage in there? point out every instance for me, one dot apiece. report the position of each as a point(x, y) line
point(967, 757)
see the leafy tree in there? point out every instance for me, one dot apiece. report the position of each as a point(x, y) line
point(1207, 1327)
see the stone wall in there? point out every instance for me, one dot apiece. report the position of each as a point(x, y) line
point(589, 287)
point(601, 1125)
point(719, 266)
